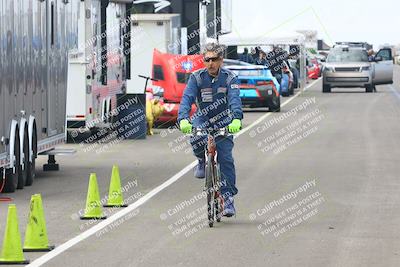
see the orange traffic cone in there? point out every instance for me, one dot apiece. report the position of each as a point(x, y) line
point(11, 252)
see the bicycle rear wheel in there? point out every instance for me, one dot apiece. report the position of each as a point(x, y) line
point(219, 202)
point(218, 206)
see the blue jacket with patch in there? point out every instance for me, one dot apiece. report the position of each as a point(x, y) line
point(217, 99)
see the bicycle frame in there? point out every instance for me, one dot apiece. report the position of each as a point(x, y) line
point(213, 178)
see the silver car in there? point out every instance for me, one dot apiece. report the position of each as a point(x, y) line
point(351, 67)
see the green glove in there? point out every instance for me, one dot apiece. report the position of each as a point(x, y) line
point(185, 126)
point(235, 125)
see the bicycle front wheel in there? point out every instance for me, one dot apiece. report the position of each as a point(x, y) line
point(219, 206)
point(210, 191)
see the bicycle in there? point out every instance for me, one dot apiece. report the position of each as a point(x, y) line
point(215, 200)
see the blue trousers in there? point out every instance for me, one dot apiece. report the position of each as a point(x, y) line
point(224, 158)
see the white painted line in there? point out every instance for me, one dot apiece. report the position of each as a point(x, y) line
point(395, 92)
point(63, 247)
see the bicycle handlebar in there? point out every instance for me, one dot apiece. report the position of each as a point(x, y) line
point(215, 132)
point(146, 77)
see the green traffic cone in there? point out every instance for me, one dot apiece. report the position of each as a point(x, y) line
point(11, 252)
point(115, 197)
point(36, 233)
point(93, 208)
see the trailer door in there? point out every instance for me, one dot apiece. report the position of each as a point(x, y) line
point(8, 75)
point(146, 35)
point(52, 61)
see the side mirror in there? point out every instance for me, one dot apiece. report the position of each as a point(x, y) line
point(378, 59)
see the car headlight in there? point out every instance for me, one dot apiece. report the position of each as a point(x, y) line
point(365, 68)
point(331, 69)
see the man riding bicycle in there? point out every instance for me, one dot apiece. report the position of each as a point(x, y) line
point(215, 90)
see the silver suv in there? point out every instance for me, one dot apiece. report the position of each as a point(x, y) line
point(350, 67)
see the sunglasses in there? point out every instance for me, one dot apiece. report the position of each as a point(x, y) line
point(213, 59)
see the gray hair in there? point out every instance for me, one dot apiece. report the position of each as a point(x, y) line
point(215, 48)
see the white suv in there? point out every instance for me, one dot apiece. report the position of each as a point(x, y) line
point(350, 67)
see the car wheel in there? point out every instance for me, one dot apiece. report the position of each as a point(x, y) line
point(291, 92)
point(296, 83)
point(369, 88)
point(274, 104)
point(326, 88)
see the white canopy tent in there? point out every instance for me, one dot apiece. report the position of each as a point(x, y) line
point(281, 38)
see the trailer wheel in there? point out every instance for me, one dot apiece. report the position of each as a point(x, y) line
point(23, 172)
point(12, 178)
point(32, 164)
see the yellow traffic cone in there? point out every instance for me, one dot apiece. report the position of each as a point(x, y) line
point(115, 197)
point(36, 233)
point(12, 248)
point(93, 208)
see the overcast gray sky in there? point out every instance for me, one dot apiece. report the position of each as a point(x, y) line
point(377, 22)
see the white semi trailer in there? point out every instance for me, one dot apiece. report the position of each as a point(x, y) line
point(37, 40)
point(97, 68)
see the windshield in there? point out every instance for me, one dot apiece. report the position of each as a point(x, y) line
point(258, 72)
point(231, 62)
point(350, 55)
point(182, 77)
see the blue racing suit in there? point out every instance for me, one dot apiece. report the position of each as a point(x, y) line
point(218, 103)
